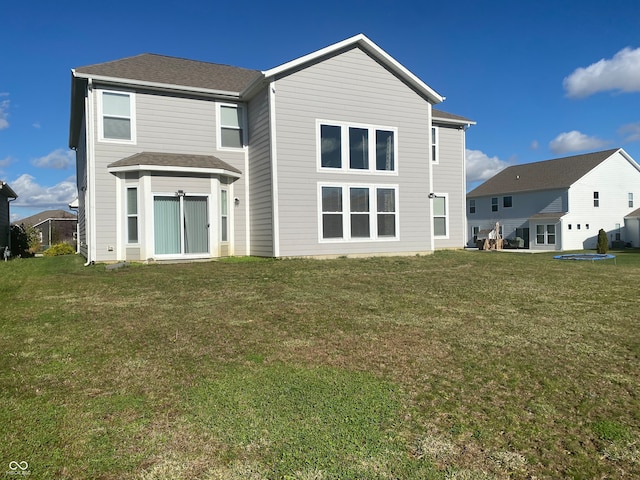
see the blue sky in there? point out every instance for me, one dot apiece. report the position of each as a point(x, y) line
point(542, 78)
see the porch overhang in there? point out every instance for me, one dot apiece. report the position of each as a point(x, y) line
point(174, 163)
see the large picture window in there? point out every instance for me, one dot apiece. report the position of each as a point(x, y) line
point(357, 212)
point(117, 116)
point(357, 148)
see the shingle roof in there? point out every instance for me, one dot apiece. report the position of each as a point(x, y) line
point(545, 175)
point(180, 160)
point(439, 114)
point(47, 215)
point(160, 69)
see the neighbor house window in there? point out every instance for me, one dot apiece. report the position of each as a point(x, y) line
point(356, 148)
point(630, 200)
point(507, 202)
point(117, 116)
point(434, 144)
point(596, 199)
point(231, 126)
point(440, 216)
point(371, 212)
point(224, 216)
point(494, 204)
point(545, 234)
point(472, 206)
point(132, 215)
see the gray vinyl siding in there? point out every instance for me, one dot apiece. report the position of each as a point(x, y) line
point(4, 222)
point(349, 87)
point(448, 177)
point(260, 176)
point(81, 175)
point(170, 124)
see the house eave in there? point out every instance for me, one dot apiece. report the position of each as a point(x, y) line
point(174, 169)
point(374, 50)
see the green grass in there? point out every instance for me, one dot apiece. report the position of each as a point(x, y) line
point(459, 365)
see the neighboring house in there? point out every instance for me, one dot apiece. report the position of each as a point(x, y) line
point(561, 204)
point(6, 195)
point(329, 154)
point(54, 226)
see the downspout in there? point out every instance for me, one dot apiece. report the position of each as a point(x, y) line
point(89, 208)
point(275, 212)
point(431, 196)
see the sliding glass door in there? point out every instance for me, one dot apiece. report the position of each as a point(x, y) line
point(181, 225)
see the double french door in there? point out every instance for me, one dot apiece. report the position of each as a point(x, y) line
point(181, 225)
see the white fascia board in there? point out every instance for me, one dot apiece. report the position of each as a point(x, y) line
point(176, 169)
point(451, 121)
point(629, 159)
point(370, 47)
point(156, 86)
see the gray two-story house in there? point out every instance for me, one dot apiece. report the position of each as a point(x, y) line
point(338, 152)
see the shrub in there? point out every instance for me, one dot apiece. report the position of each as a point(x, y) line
point(59, 249)
point(603, 242)
point(20, 241)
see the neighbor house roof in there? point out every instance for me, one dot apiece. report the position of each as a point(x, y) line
point(38, 218)
point(634, 214)
point(545, 175)
point(178, 162)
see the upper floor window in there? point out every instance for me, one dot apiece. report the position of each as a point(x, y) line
point(596, 199)
point(630, 200)
point(472, 206)
point(494, 204)
point(507, 202)
point(117, 116)
point(231, 130)
point(434, 144)
point(356, 148)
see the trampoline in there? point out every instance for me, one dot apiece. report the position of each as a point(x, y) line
point(586, 256)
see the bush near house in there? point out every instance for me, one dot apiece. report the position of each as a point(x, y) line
point(59, 249)
point(603, 241)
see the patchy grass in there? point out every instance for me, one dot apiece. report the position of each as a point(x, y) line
point(459, 365)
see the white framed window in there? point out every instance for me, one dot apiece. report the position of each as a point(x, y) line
point(224, 215)
point(357, 212)
point(440, 216)
point(596, 199)
point(132, 215)
point(472, 206)
point(546, 234)
point(231, 126)
point(630, 197)
point(494, 204)
point(435, 132)
point(507, 202)
point(116, 116)
point(356, 148)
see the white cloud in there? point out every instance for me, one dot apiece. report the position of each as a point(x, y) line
point(535, 145)
point(481, 167)
point(31, 194)
point(58, 159)
point(36, 125)
point(574, 141)
point(631, 132)
point(622, 72)
point(4, 112)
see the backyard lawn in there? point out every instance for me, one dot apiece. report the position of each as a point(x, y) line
point(457, 365)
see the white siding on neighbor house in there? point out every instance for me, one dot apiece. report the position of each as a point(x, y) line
point(524, 206)
point(167, 124)
point(350, 88)
point(260, 176)
point(613, 179)
point(448, 177)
